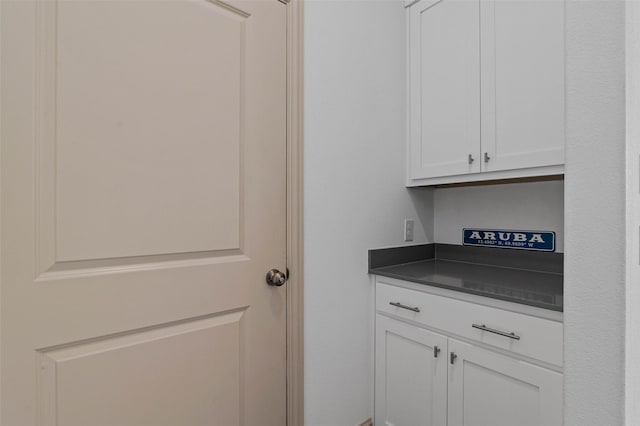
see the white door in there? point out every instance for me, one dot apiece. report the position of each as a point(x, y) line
point(411, 375)
point(523, 75)
point(444, 77)
point(489, 389)
point(143, 202)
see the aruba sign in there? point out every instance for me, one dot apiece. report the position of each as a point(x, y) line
point(522, 240)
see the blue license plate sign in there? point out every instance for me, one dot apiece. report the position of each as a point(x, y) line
point(500, 238)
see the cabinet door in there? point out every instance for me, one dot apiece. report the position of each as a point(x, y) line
point(523, 92)
point(410, 380)
point(444, 81)
point(489, 389)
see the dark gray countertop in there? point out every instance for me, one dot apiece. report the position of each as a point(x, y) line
point(536, 281)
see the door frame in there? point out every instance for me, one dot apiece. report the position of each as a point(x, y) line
point(295, 217)
point(295, 199)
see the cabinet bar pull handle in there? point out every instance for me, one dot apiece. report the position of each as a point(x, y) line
point(486, 157)
point(471, 159)
point(452, 357)
point(400, 305)
point(436, 351)
point(483, 327)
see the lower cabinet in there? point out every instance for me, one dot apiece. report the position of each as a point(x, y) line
point(429, 378)
point(489, 389)
point(411, 375)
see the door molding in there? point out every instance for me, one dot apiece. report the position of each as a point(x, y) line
point(295, 200)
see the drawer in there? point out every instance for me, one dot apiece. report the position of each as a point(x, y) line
point(538, 338)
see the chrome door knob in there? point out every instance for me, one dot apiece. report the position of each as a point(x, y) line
point(276, 278)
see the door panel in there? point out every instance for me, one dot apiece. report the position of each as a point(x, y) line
point(175, 143)
point(141, 211)
point(82, 384)
point(444, 68)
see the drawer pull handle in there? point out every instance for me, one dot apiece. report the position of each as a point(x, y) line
point(400, 305)
point(483, 327)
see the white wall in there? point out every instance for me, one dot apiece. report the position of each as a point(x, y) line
point(354, 193)
point(633, 214)
point(354, 160)
point(535, 206)
point(594, 280)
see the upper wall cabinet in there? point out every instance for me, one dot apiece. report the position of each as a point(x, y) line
point(486, 90)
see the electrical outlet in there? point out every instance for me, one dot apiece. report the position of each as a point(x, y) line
point(408, 230)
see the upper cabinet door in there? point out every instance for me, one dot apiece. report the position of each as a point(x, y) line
point(522, 83)
point(444, 94)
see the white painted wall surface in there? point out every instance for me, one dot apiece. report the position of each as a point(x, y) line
point(633, 213)
point(594, 284)
point(354, 159)
point(537, 206)
point(354, 193)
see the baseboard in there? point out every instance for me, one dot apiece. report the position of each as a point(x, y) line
point(367, 422)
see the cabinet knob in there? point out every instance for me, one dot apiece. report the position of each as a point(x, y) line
point(486, 157)
point(471, 160)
